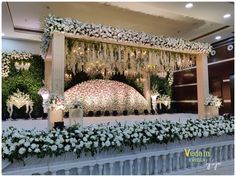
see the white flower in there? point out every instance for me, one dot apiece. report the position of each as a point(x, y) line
point(22, 150)
point(54, 147)
point(6, 151)
point(85, 139)
point(107, 143)
point(102, 139)
point(205, 134)
point(37, 150)
point(33, 146)
point(160, 137)
point(199, 134)
point(27, 144)
point(67, 147)
point(22, 141)
point(95, 144)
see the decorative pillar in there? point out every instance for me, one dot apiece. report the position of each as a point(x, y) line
point(202, 83)
point(48, 72)
point(57, 74)
point(146, 88)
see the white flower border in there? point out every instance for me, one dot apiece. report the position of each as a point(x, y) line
point(20, 144)
point(56, 24)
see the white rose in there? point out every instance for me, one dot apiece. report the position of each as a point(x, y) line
point(135, 135)
point(60, 145)
point(67, 147)
point(6, 151)
point(102, 139)
point(85, 139)
point(107, 143)
point(27, 144)
point(22, 150)
point(12, 148)
point(160, 137)
point(29, 150)
point(96, 144)
point(54, 147)
point(205, 134)
point(37, 150)
point(149, 134)
point(33, 146)
point(199, 134)
point(144, 140)
point(22, 141)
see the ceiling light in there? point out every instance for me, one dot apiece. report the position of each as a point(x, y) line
point(227, 15)
point(218, 37)
point(3, 34)
point(188, 5)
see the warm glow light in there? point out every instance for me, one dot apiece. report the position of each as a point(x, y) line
point(188, 5)
point(218, 37)
point(227, 15)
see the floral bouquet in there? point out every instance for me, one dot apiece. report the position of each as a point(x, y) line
point(56, 102)
point(212, 100)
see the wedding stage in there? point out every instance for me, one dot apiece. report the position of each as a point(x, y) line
point(40, 124)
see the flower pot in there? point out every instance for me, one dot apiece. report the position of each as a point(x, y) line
point(55, 116)
point(212, 111)
point(76, 116)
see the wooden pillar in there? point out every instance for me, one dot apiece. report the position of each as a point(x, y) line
point(146, 88)
point(57, 75)
point(48, 72)
point(202, 83)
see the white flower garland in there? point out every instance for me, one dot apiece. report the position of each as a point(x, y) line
point(67, 25)
point(20, 144)
point(7, 57)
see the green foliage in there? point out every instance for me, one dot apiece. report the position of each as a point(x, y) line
point(161, 84)
point(26, 81)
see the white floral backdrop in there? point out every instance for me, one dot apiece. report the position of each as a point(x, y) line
point(102, 95)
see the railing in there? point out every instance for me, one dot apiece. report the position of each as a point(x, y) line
point(154, 160)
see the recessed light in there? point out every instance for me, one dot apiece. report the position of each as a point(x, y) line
point(227, 15)
point(189, 5)
point(218, 37)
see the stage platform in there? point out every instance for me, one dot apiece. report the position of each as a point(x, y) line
point(42, 124)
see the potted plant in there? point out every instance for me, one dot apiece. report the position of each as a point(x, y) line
point(212, 103)
point(75, 112)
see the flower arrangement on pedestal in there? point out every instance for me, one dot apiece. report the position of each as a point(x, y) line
point(20, 144)
point(212, 100)
point(56, 102)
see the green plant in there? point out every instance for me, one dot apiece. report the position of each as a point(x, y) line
point(27, 81)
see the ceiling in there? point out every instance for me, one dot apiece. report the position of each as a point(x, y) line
point(22, 20)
